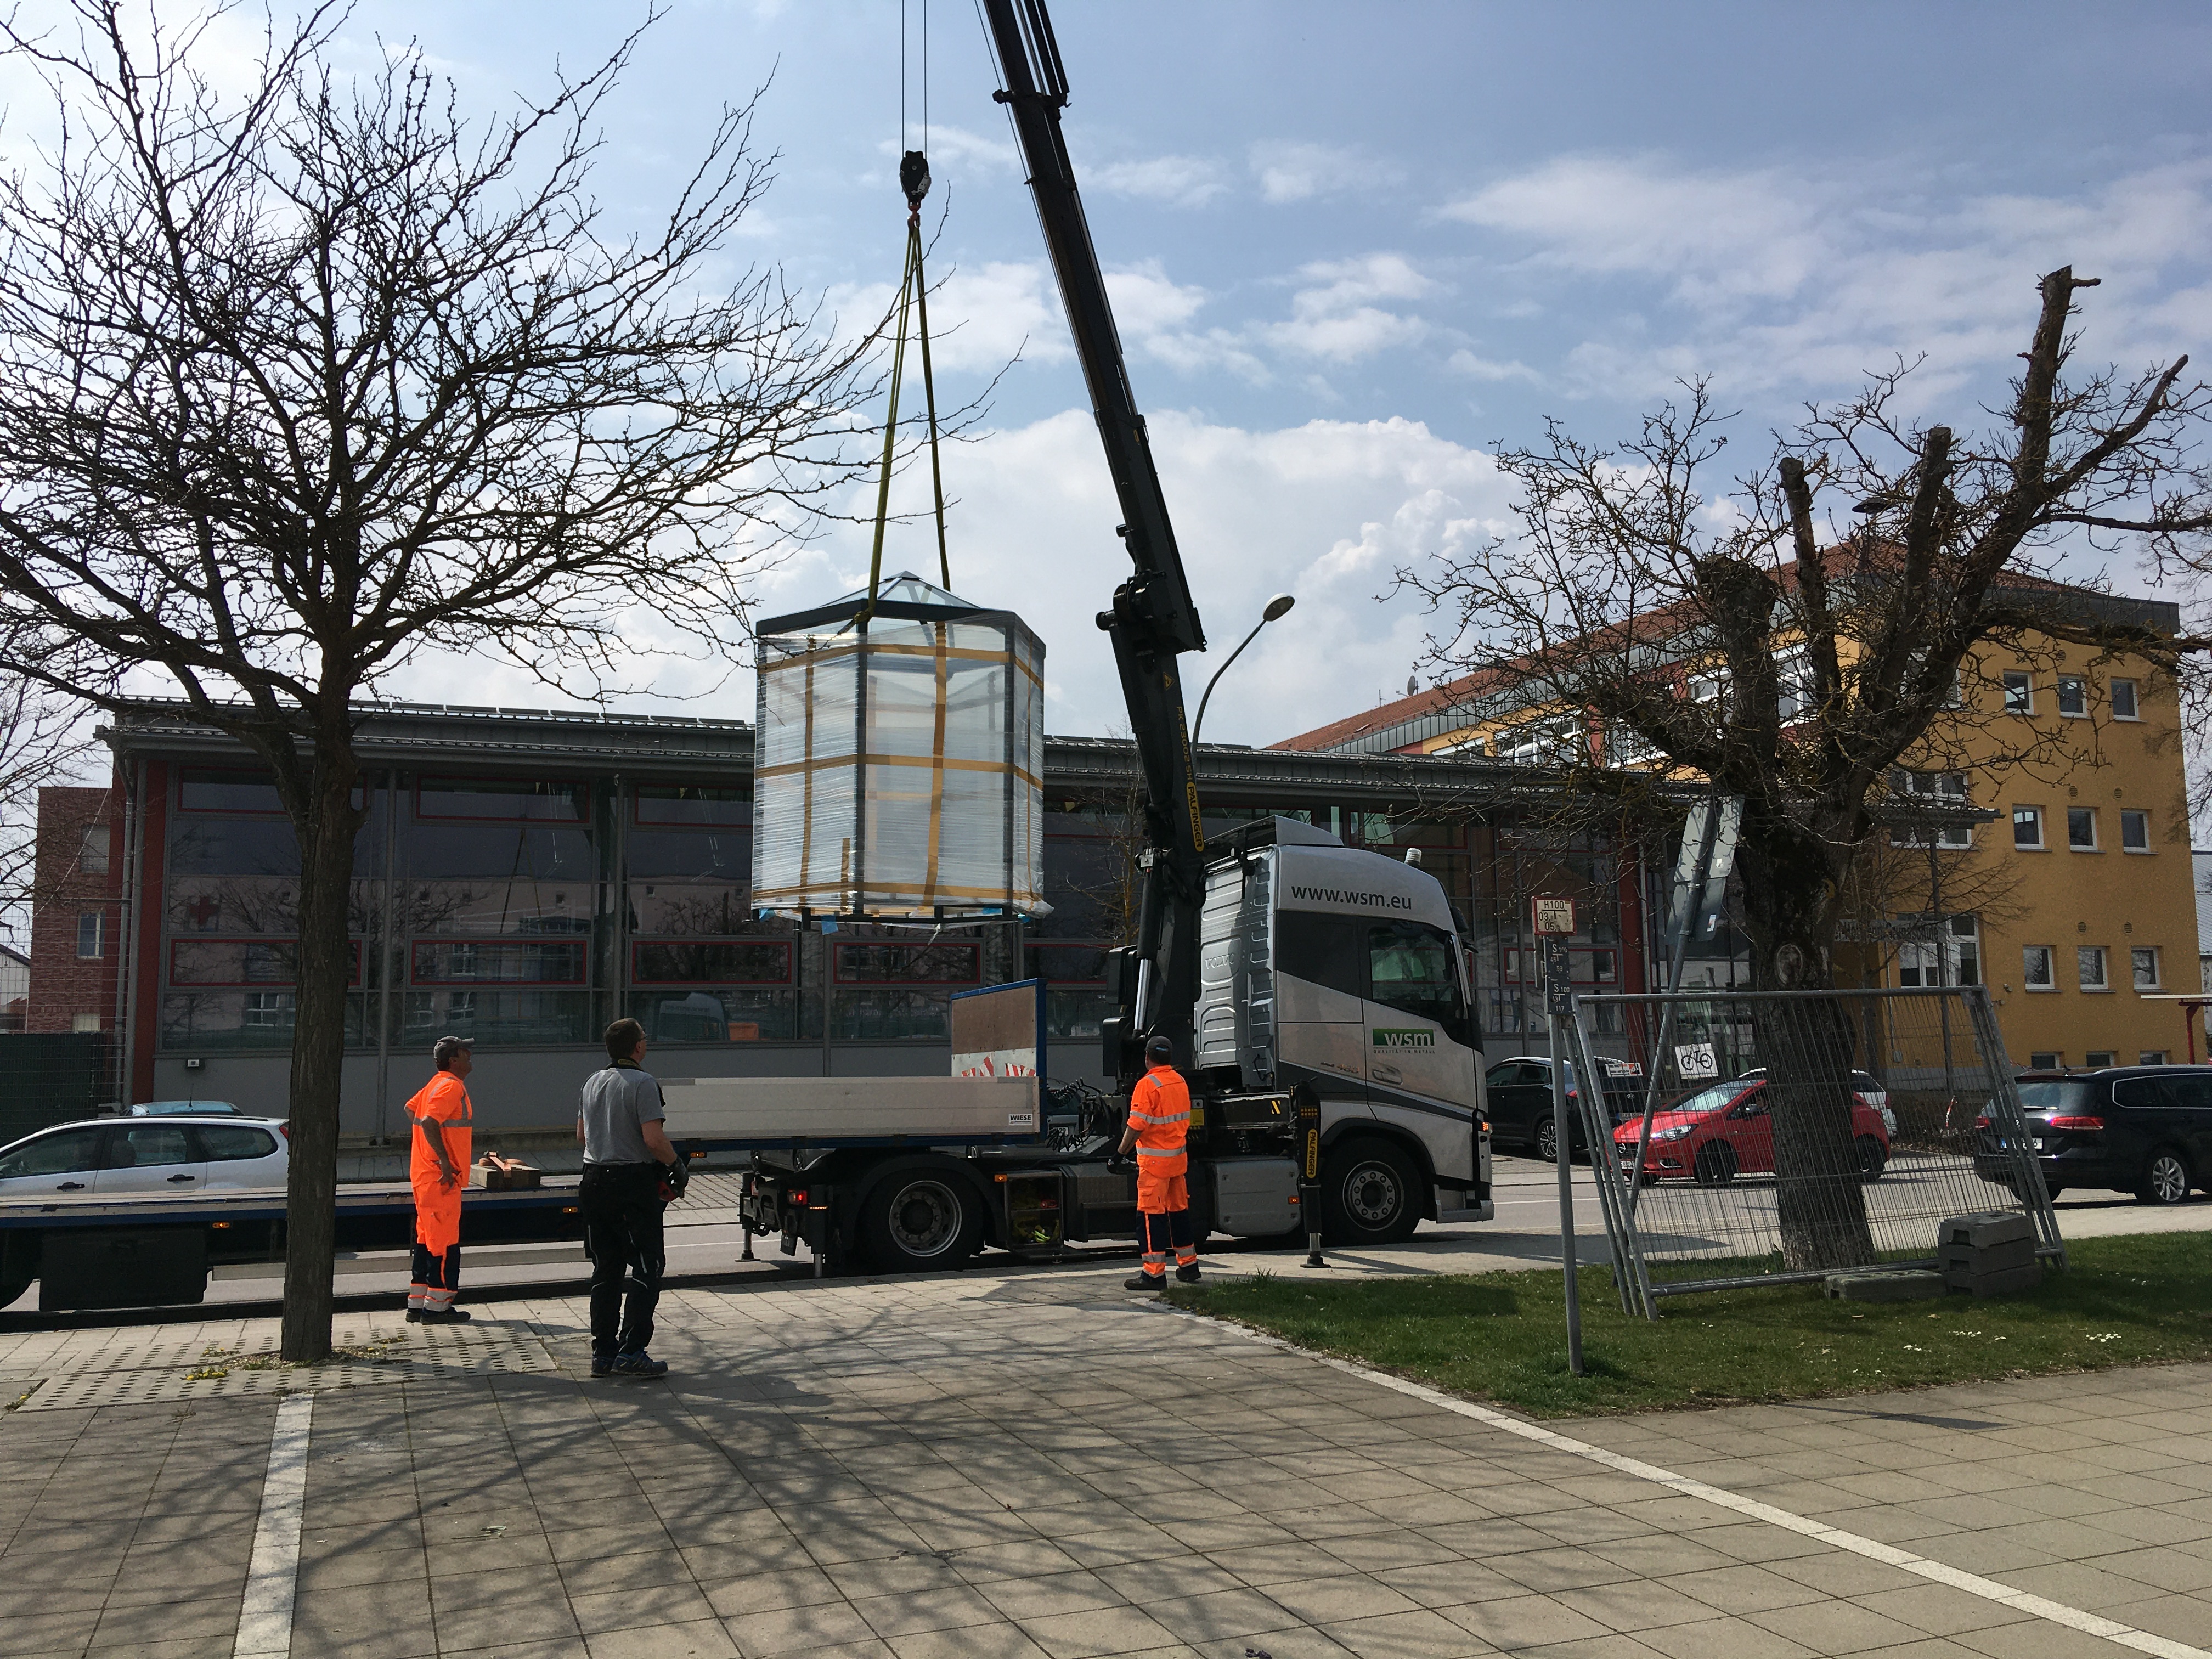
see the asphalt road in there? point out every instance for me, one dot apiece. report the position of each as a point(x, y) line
point(705, 1244)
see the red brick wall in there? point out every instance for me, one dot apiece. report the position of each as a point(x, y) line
point(64, 985)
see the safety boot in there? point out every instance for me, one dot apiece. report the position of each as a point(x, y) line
point(1146, 1282)
point(640, 1365)
point(1187, 1274)
point(443, 1317)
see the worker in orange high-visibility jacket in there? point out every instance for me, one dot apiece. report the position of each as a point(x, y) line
point(1159, 1125)
point(438, 1170)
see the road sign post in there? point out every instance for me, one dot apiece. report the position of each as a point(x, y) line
point(1554, 921)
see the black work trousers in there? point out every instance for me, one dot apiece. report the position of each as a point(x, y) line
point(621, 1204)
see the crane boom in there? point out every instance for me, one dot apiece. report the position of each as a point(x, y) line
point(1153, 620)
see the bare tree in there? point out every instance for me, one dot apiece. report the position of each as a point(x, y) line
point(1720, 637)
point(296, 382)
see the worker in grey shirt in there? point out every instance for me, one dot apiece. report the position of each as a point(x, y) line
point(628, 1169)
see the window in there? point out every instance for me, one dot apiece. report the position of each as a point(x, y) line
point(1954, 956)
point(1711, 686)
point(2035, 968)
point(81, 1023)
point(66, 1153)
point(147, 1145)
point(92, 860)
point(269, 1008)
point(2125, 704)
point(2044, 1060)
point(908, 964)
point(2142, 960)
point(2019, 693)
point(1410, 966)
point(2073, 696)
point(2151, 1057)
point(503, 800)
point(2135, 831)
point(1937, 789)
point(2082, 829)
point(1793, 683)
point(497, 962)
point(2089, 968)
point(686, 804)
point(2028, 826)
point(89, 931)
point(1964, 944)
point(1322, 949)
point(710, 962)
point(226, 1145)
point(2098, 1058)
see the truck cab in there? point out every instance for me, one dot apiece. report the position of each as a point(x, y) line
point(1341, 969)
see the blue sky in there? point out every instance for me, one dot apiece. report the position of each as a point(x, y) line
point(1354, 245)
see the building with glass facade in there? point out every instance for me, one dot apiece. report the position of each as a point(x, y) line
point(526, 878)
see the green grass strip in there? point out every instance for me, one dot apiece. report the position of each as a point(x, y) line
point(2143, 1299)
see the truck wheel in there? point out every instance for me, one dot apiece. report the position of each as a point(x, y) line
point(920, 1219)
point(1370, 1194)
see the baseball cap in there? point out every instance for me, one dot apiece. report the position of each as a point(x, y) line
point(1159, 1051)
point(446, 1046)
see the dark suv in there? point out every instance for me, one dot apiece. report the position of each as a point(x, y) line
point(2139, 1129)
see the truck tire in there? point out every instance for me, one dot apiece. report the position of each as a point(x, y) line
point(1370, 1194)
point(920, 1218)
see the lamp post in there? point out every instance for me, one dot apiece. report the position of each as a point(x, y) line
point(1278, 607)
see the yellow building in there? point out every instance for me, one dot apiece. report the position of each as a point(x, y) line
point(2076, 900)
point(2060, 876)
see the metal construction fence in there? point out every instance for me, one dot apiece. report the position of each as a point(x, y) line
point(51, 1076)
point(1780, 1136)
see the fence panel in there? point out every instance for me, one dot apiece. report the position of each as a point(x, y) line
point(1787, 1134)
point(52, 1078)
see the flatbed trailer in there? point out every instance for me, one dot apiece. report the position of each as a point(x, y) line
point(912, 1174)
point(155, 1249)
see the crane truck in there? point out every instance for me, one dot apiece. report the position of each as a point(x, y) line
point(1316, 995)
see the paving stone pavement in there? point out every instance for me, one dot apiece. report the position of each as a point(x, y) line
point(1037, 1466)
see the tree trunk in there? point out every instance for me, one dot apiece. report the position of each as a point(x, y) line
point(1788, 888)
point(327, 835)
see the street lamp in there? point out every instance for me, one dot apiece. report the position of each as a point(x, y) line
point(1278, 607)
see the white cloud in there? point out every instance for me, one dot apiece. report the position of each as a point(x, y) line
point(1336, 315)
point(1299, 172)
point(1178, 181)
point(1794, 282)
point(1466, 363)
point(979, 317)
point(1326, 510)
point(1145, 303)
point(951, 147)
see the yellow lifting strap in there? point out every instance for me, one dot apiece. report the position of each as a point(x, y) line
point(914, 299)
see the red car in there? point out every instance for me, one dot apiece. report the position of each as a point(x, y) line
point(1721, 1131)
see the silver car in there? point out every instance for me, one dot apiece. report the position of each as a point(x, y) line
point(172, 1153)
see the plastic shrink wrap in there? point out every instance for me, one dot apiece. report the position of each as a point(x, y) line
point(898, 763)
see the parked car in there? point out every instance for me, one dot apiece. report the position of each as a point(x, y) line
point(180, 1108)
point(2139, 1129)
point(1519, 1091)
point(1867, 1087)
point(169, 1153)
point(1715, 1134)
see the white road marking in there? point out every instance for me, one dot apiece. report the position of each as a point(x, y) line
point(265, 1621)
point(2089, 1624)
